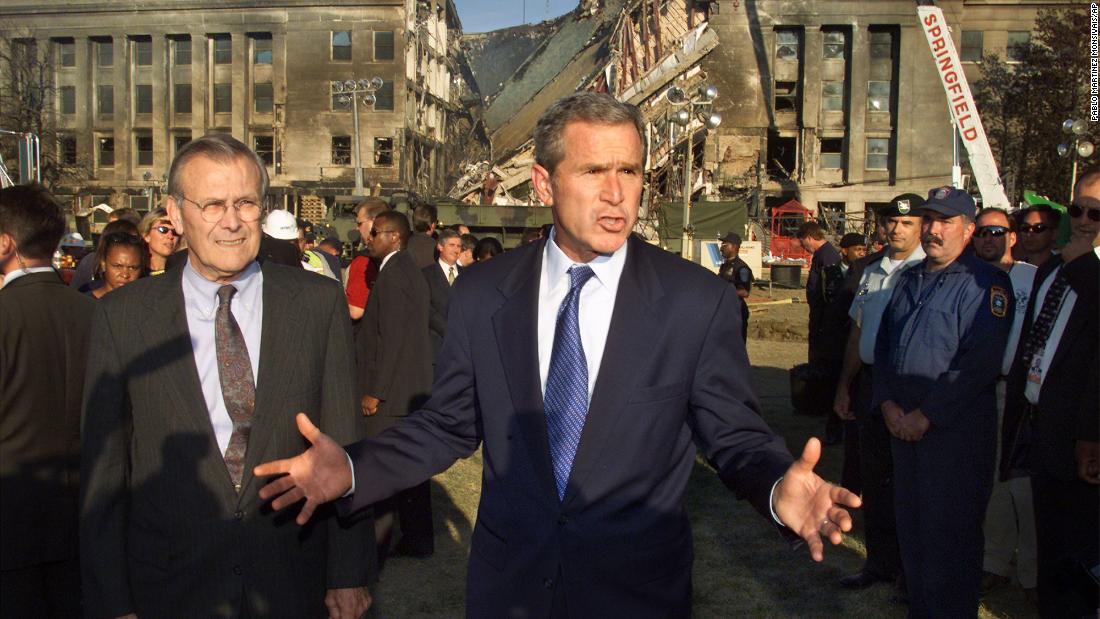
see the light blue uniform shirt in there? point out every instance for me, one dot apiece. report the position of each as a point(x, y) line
point(873, 295)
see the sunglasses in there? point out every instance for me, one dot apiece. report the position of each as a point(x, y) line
point(1034, 228)
point(991, 231)
point(1076, 210)
point(166, 230)
point(375, 232)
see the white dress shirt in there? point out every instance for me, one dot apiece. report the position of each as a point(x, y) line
point(382, 265)
point(1040, 364)
point(447, 269)
point(596, 304)
point(200, 300)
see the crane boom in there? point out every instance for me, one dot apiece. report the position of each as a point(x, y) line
point(964, 112)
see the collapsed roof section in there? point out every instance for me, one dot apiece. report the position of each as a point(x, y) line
point(633, 49)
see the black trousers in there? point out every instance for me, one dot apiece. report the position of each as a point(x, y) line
point(413, 510)
point(1067, 527)
point(876, 468)
point(47, 590)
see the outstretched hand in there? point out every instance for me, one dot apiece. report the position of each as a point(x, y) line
point(319, 474)
point(812, 507)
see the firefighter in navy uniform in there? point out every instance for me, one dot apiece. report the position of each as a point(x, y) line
point(936, 369)
point(735, 271)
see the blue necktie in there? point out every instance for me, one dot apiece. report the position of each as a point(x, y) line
point(566, 399)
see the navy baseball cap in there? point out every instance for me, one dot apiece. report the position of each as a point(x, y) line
point(950, 202)
point(732, 238)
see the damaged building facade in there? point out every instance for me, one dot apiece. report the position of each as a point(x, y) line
point(836, 103)
point(131, 82)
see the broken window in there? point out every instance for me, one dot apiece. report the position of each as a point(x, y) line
point(878, 96)
point(144, 149)
point(787, 44)
point(831, 216)
point(383, 152)
point(341, 45)
point(878, 154)
point(832, 154)
point(882, 44)
point(264, 145)
point(782, 156)
point(832, 96)
point(341, 150)
point(833, 45)
point(786, 96)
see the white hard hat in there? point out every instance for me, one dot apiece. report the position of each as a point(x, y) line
point(72, 239)
point(281, 224)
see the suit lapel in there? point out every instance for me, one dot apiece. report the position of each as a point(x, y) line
point(516, 328)
point(1083, 282)
point(633, 321)
point(280, 337)
point(168, 344)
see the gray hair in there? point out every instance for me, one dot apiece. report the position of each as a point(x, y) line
point(220, 147)
point(584, 106)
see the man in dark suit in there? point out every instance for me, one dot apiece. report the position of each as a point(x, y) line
point(421, 243)
point(395, 373)
point(812, 238)
point(193, 377)
point(440, 277)
point(589, 366)
point(1051, 415)
point(43, 345)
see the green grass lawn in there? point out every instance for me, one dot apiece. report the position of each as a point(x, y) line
point(742, 567)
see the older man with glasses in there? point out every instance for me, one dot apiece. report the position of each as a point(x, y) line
point(192, 378)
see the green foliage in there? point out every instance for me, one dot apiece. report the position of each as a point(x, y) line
point(1023, 103)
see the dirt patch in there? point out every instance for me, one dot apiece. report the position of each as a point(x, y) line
point(778, 314)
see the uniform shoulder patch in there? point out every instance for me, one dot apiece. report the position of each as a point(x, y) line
point(998, 301)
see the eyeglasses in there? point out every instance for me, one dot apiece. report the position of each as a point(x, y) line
point(1034, 228)
point(375, 232)
point(1076, 210)
point(993, 231)
point(213, 211)
point(166, 230)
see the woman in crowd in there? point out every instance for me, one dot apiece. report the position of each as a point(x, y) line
point(121, 258)
point(160, 237)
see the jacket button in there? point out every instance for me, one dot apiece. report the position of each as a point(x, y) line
point(548, 583)
point(237, 570)
point(239, 515)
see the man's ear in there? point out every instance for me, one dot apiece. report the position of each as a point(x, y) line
point(174, 214)
point(7, 247)
point(540, 178)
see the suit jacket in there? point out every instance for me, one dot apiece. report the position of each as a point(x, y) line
point(422, 248)
point(394, 349)
point(1069, 401)
point(43, 346)
point(439, 295)
point(163, 533)
point(674, 378)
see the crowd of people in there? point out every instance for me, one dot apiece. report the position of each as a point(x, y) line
point(964, 366)
point(216, 418)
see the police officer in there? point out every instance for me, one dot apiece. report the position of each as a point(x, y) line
point(735, 271)
point(834, 332)
point(898, 223)
point(937, 356)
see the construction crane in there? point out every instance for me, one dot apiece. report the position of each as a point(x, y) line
point(964, 112)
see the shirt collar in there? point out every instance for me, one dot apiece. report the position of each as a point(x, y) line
point(387, 259)
point(915, 257)
point(16, 274)
point(606, 268)
point(202, 293)
point(447, 267)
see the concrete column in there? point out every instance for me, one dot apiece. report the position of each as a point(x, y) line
point(857, 101)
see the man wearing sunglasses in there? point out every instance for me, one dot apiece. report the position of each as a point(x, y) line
point(1051, 417)
point(1038, 231)
point(192, 378)
point(1009, 520)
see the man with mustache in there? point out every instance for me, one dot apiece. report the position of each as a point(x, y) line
point(935, 380)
